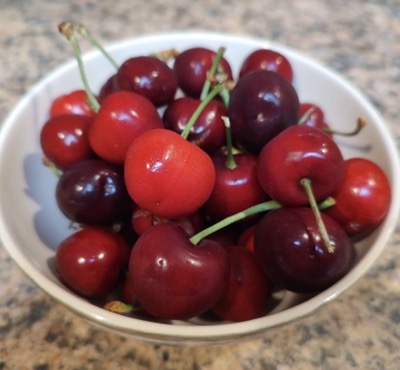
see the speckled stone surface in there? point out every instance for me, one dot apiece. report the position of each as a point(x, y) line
point(360, 39)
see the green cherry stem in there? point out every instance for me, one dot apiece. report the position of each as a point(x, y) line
point(211, 73)
point(213, 93)
point(306, 184)
point(83, 31)
point(230, 158)
point(67, 30)
point(258, 208)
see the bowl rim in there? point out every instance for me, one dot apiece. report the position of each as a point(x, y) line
point(162, 332)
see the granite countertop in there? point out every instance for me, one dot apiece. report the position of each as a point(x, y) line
point(359, 330)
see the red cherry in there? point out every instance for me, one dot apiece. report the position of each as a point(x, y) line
point(267, 59)
point(91, 260)
point(174, 279)
point(143, 220)
point(289, 246)
point(296, 153)
point(363, 199)
point(75, 102)
point(167, 175)
point(246, 238)
point(208, 132)
point(191, 67)
point(150, 77)
point(122, 117)
point(235, 189)
point(249, 290)
point(64, 140)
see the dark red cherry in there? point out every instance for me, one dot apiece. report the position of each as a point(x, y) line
point(64, 140)
point(208, 132)
point(249, 290)
point(91, 261)
point(191, 67)
point(150, 77)
point(300, 152)
point(92, 192)
point(174, 279)
point(269, 60)
point(262, 104)
point(289, 246)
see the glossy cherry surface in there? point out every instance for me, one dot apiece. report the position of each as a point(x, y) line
point(150, 77)
point(300, 152)
point(191, 67)
point(289, 246)
point(174, 279)
point(269, 60)
point(91, 261)
point(74, 102)
point(262, 104)
point(92, 192)
point(122, 117)
point(167, 175)
point(64, 139)
point(363, 199)
point(208, 132)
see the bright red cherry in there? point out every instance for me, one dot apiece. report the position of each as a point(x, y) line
point(64, 140)
point(74, 102)
point(363, 199)
point(167, 175)
point(122, 117)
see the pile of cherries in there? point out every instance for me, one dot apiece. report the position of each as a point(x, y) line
point(194, 193)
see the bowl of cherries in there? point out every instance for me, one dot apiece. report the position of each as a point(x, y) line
point(195, 187)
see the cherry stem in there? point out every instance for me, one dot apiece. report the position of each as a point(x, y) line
point(67, 30)
point(83, 31)
point(119, 307)
point(361, 122)
point(258, 208)
point(213, 93)
point(306, 184)
point(230, 158)
point(211, 73)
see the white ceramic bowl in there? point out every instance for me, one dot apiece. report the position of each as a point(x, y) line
point(32, 226)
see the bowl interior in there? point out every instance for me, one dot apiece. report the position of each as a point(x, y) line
point(31, 225)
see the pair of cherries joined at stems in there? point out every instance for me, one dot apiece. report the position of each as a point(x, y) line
point(173, 191)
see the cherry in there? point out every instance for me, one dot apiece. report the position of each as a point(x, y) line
point(289, 246)
point(91, 260)
point(191, 67)
point(167, 175)
point(109, 87)
point(122, 117)
point(64, 140)
point(296, 153)
point(248, 291)
point(174, 279)
point(312, 115)
point(363, 199)
point(269, 60)
point(74, 102)
point(261, 105)
point(235, 188)
point(92, 192)
point(150, 77)
point(208, 131)
point(143, 220)
point(246, 238)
